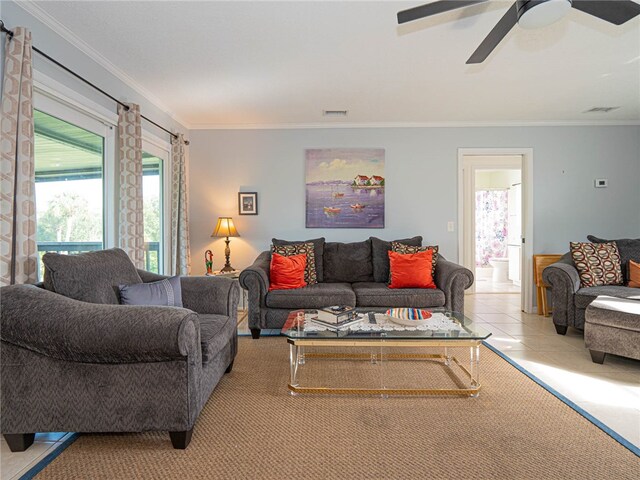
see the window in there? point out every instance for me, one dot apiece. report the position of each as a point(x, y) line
point(69, 164)
point(76, 168)
point(153, 221)
point(155, 161)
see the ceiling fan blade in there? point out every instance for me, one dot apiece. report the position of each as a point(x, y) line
point(495, 36)
point(433, 8)
point(612, 11)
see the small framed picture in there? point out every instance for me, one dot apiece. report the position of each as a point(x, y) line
point(247, 203)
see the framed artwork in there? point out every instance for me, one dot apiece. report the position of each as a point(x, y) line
point(247, 203)
point(345, 187)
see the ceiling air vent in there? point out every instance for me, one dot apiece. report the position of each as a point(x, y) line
point(600, 109)
point(334, 113)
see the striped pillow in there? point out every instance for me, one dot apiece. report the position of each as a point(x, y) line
point(310, 274)
point(167, 292)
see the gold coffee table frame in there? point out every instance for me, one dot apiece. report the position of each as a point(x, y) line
point(297, 357)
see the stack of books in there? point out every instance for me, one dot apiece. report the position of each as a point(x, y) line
point(337, 316)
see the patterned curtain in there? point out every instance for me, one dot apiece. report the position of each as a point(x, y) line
point(180, 256)
point(19, 259)
point(130, 219)
point(492, 217)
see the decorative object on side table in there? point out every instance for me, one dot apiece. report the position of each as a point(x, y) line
point(208, 261)
point(226, 228)
point(247, 203)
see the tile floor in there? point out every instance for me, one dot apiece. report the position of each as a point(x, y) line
point(484, 283)
point(14, 465)
point(609, 392)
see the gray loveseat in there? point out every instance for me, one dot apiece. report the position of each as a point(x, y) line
point(352, 274)
point(570, 300)
point(72, 365)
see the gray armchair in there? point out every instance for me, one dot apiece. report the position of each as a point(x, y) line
point(70, 365)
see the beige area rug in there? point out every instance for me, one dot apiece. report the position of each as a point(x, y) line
point(251, 428)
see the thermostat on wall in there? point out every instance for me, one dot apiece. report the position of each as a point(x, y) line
point(600, 183)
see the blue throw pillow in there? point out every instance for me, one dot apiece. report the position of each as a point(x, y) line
point(165, 292)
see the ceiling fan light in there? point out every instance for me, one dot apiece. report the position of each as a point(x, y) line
point(537, 14)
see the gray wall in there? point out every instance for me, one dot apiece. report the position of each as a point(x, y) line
point(421, 183)
point(57, 47)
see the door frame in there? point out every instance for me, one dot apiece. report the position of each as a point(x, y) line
point(466, 188)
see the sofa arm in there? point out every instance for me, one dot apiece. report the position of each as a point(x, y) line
point(67, 329)
point(204, 295)
point(453, 280)
point(211, 295)
point(255, 279)
point(564, 280)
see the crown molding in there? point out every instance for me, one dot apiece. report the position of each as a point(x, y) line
point(36, 11)
point(294, 126)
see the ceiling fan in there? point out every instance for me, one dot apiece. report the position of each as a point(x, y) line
point(527, 14)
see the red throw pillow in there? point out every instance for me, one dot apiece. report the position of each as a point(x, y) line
point(411, 270)
point(287, 272)
point(634, 274)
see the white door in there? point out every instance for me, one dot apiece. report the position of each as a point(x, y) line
point(514, 234)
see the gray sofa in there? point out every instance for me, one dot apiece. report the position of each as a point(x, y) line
point(570, 300)
point(353, 274)
point(72, 365)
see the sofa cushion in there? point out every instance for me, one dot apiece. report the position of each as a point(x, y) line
point(380, 257)
point(92, 277)
point(629, 249)
point(584, 296)
point(215, 332)
point(166, 292)
point(310, 273)
point(348, 262)
point(597, 263)
point(378, 294)
point(318, 252)
point(314, 296)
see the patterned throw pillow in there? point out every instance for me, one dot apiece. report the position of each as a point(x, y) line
point(404, 249)
point(597, 263)
point(310, 274)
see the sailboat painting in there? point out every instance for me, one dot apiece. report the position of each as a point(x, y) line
point(345, 187)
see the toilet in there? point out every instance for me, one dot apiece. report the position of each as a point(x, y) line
point(500, 269)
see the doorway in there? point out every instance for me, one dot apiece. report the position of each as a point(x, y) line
point(498, 232)
point(496, 220)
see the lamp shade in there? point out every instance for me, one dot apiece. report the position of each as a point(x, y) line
point(225, 228)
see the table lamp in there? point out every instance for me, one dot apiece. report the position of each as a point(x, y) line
point(226, 228)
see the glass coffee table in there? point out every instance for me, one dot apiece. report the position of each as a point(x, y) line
point(445, 331)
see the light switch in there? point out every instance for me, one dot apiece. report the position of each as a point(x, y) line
point(600, 183)
point(449, 226)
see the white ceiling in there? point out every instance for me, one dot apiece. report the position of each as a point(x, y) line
point(258, 63)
